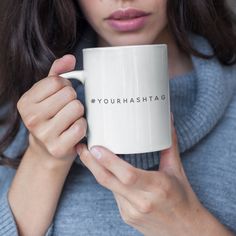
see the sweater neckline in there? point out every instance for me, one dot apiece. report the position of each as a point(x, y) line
point(214, 88)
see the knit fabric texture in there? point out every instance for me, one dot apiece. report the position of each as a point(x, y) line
point(204, 106)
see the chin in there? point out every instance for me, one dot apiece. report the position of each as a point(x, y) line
point(130, 40)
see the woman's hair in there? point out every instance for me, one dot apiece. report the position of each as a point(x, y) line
point(34, 33)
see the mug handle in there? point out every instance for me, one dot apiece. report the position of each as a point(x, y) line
point(76, 74)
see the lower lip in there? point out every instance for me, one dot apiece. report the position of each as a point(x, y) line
point(129, 24)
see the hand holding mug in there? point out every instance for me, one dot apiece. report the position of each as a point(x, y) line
point(52, 114)
point(159, 202)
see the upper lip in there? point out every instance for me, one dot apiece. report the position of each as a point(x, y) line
point(124, 14)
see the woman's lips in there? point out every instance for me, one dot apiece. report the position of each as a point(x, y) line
point(127, 20)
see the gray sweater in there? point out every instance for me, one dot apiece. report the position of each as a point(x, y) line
point(204, 107)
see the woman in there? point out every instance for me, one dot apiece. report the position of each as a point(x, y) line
point(102, 194)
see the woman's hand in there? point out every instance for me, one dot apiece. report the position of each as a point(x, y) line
point(159, 202)
point(54, 119)
point(53, 115)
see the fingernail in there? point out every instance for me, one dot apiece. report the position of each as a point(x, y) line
point(96, 153)
point(64, 56)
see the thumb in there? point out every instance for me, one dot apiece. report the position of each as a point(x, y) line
point(170, 159)
point(62, 65)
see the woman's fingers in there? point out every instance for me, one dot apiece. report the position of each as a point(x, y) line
point(125, 172)
point(102, 175)
point(51, 112)
point(61, 65)
point(74, 134)
point(61, 110)
point(53, 83)
point(53, 104)
point(107, 179)
point(136, 195)
point(128, 211)
point(67, 116)
point(46, 88)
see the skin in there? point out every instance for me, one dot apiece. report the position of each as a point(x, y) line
point(40, 177)
point(160, 201)
point(155, 30)
point(151, 201)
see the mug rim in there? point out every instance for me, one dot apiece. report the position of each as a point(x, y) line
point(124, 47)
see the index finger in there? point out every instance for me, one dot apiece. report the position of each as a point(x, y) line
point(125, 172)
point(131, 177)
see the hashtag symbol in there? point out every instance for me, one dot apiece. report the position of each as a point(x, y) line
point(93, 100)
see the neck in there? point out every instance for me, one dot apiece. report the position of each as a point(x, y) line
point(179, 63)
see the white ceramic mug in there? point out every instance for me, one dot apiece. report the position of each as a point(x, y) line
point(126, 97)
